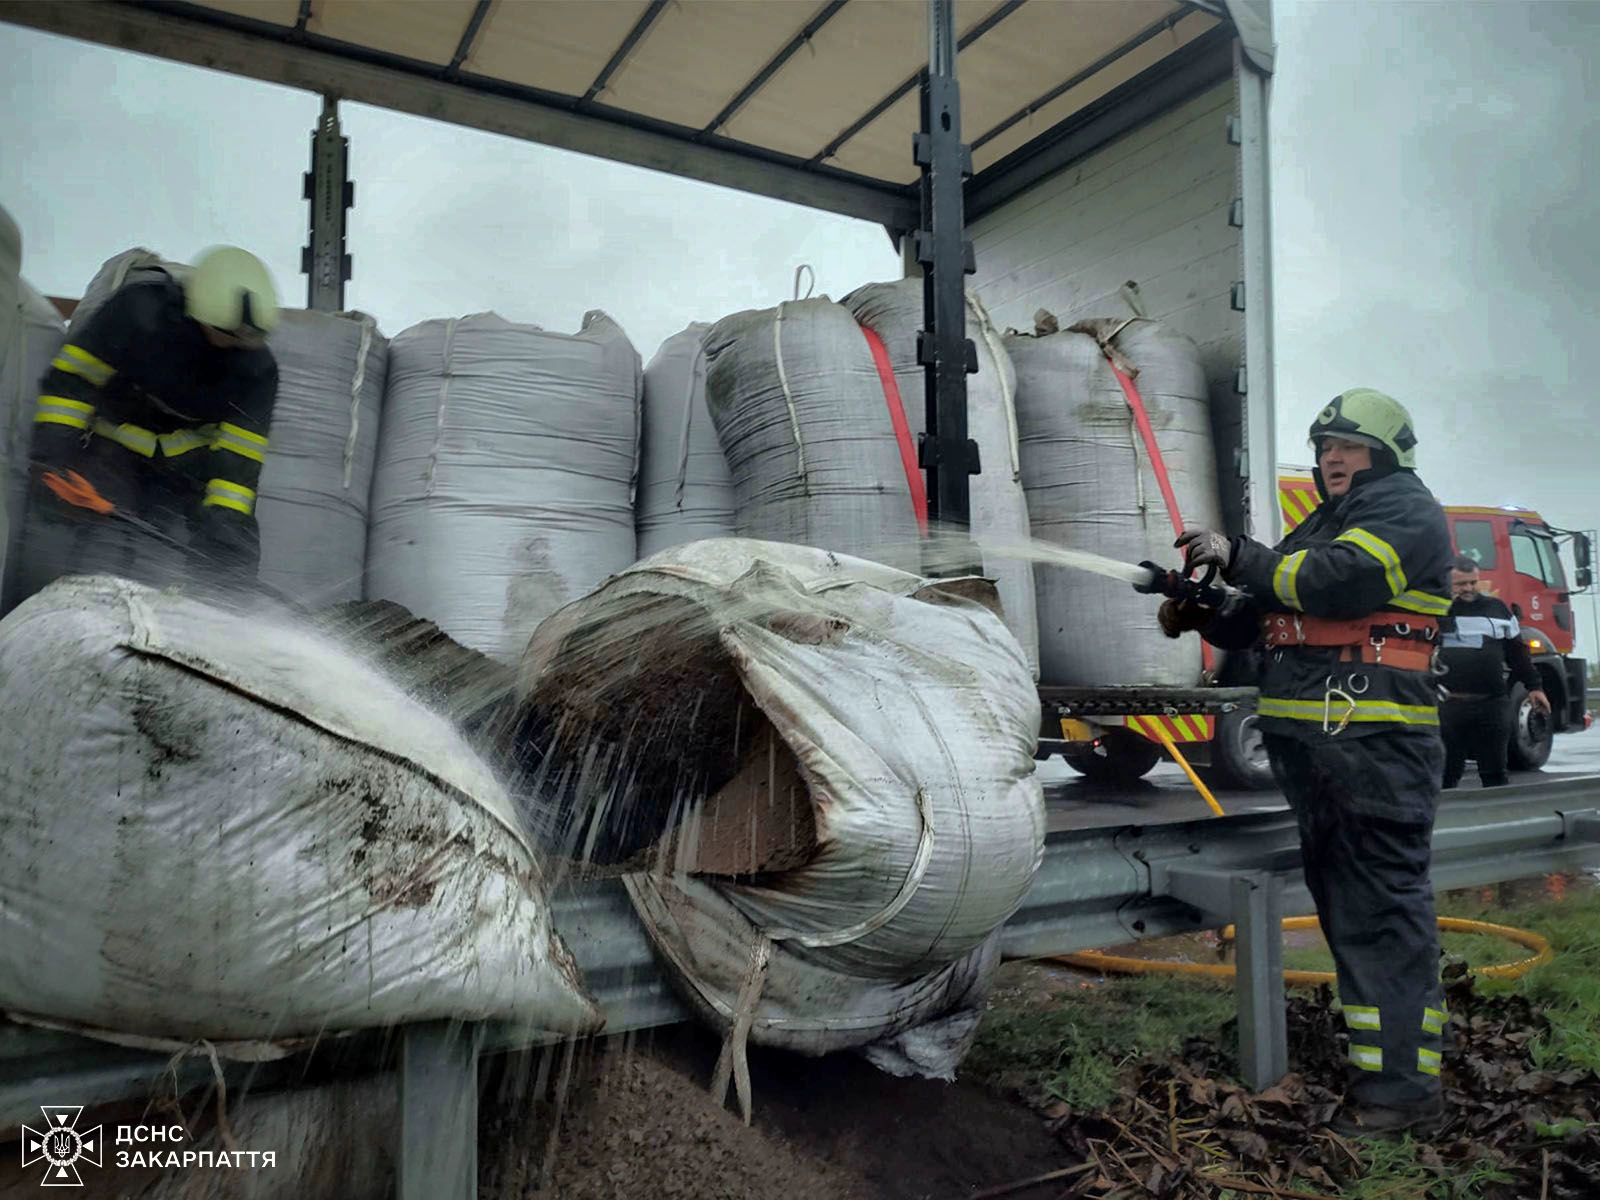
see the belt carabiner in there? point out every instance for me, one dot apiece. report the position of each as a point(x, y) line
point(1327, 710)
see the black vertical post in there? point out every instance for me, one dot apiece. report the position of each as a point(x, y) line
point(328, 188)
point(945, 452)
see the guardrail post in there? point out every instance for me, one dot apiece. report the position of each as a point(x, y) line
point(1258, 981)
point(1253, 902)
point(439, 1111)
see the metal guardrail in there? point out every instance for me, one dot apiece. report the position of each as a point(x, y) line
point(1096, 887)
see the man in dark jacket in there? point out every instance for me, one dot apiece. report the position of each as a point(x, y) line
point(1481, 640)
point(158, 408)
point(1347, 608)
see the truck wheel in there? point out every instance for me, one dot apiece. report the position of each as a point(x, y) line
point(1126, 758)
point(1239, 755)
point(1531, 733)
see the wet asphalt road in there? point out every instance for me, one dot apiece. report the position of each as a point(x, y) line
point(1166, 795)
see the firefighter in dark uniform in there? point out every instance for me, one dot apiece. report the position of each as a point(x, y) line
point(1347, 611)
point(160, 408)
point(1481, 641)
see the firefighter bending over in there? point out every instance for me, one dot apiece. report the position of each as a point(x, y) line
point(1347, 611)
point(161, 404)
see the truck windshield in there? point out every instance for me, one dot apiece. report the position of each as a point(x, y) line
point(1534, 553)
point(1475, 539)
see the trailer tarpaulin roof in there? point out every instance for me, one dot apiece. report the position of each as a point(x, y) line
point(814, 101)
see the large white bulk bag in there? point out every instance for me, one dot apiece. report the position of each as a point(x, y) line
point(1092, 486)
point(37, 332)
point(317, 479)
point(220, 825)
point(999, 509)
point(886, 818)
point(10, 296)
point(802, 415)
point(685, 489)
point(506, 465)
point(130, 266)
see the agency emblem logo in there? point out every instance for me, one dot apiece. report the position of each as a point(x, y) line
point(61, 1145)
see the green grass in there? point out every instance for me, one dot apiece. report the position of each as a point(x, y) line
point(1569, 986)
point(1074, 1047)
point(1475, 949)
point(1394, 1171)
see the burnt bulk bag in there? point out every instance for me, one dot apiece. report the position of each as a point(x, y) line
point(1091, 485)
point(801, 413)
point(505, 478)
point(999, 508)
point(685, 489)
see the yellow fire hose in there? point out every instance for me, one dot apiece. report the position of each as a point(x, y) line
point(1095, 960)
point(1171, 747)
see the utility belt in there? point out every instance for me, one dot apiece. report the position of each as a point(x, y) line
point(1403, 641)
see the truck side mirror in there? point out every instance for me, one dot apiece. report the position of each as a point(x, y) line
point(1583, 559)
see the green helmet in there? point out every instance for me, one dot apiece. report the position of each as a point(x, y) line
point(1368, 416)
point(230, 289)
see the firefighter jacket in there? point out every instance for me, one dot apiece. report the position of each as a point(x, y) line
point(1382, 551)
point(139, 398)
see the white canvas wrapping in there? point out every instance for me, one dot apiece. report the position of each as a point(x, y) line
point(317, 479)
point(37, 332)
point(130, 266)
point(216, 824)
point(1091, 486)
point(800, 412)
point(913, 722)
point(10, 281)
point(999, 513)
point(506, 465)
point(685, 488)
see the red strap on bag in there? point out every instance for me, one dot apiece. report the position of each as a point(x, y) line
point(1153, 449)
point(902, 429)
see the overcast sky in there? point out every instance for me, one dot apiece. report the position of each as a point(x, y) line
point(1436, 168)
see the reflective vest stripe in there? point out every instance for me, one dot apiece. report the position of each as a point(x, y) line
point(131, 437)
point(75, 360)
point(1286, 579)
point(223, 493)
point(1381, 550)
point(1368, 1058)
point(62, 410)
point(1364, 710)
point(241, 442)
point(1357, 1017)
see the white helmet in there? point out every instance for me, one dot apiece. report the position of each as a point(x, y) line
point(230, 289)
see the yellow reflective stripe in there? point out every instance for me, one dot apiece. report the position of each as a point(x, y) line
point(61, 410)
point(181, 441)
point(1357, 1017)
point(1381, 550)
point(1420, 602)
point(223, 493)
point(130, 437)
point(75, 360)
point(1368, 1058)
point(1428, 1061)
point(1365, 710)
point(1433, 1020)
point(241, 442)
point(67, 403)
point(1286, 579)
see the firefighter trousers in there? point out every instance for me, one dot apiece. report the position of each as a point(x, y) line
point(1365, 808)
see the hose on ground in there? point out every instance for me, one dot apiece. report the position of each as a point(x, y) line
point(1116, 964)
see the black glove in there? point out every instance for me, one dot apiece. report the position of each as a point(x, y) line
point(1177, 617)
point(1205, 548)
